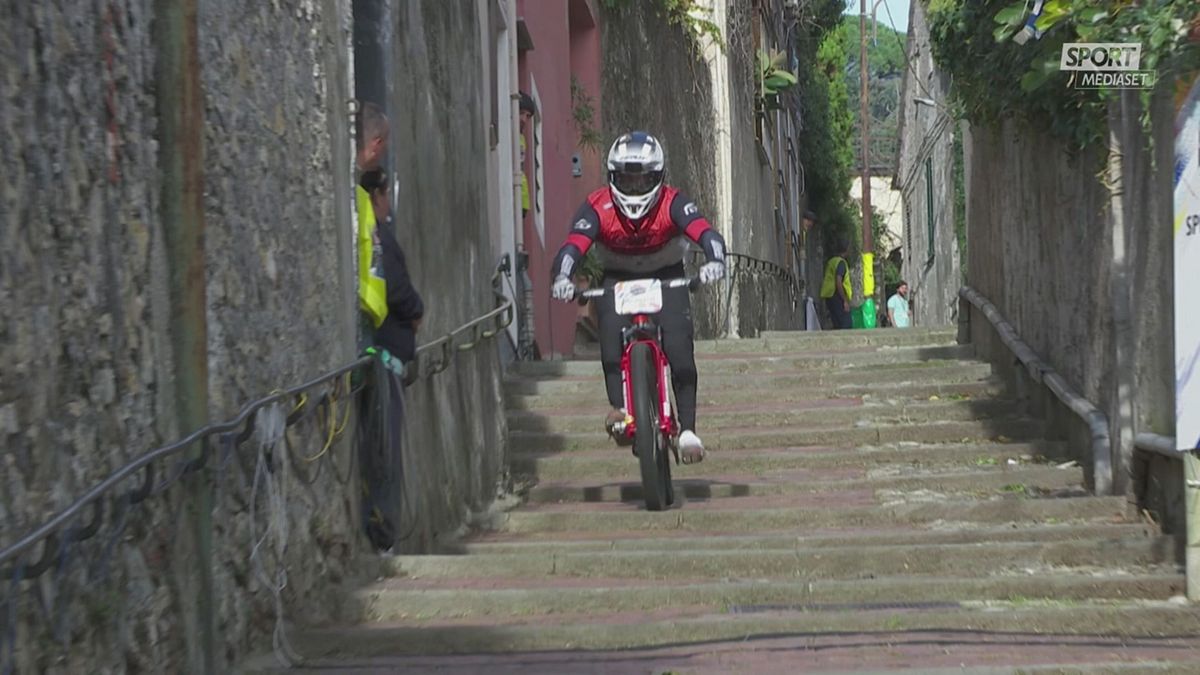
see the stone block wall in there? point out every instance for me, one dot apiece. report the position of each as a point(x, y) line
point(89, 377)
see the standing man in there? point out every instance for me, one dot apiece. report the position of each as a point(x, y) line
point(372, 137)
point(393, 310)
point(835, 288)
point(897, 307)
point(528, 110)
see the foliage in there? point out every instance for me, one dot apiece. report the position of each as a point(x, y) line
point(773, 78)
point(824, 142)
point(996, 78)
point(886, 64)
point(591, 269)
point(686, 14)
point(583, 114)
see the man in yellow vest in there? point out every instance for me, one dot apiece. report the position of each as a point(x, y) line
point(372, 138)
point(528, 110)
point(835, 288)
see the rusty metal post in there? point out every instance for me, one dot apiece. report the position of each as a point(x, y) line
point(181, 169)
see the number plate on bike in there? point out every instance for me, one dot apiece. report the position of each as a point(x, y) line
point(643, 296)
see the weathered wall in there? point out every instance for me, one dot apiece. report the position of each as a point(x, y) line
point(931, 256)
point(457, 425)
point(1157, 481)
point(1041, 232)
point(647, 60)
point(1038, 250)
point(88, 381)
point(277, 173)
point(753, 217)
point(565, 49)
point(86, 378)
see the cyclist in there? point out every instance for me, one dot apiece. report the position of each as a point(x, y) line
point(641, 228)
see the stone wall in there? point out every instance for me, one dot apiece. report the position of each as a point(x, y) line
point(457, 424)
point(926, 169)
point(1041, 236)
point(90, 377)
point(648, 59)
point(654, 79)
point(754, 230)
point(1038, 250)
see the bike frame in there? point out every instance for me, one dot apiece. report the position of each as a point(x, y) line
point(645, 331)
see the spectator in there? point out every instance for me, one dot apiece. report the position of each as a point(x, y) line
point(835, 288)
point(397, 333)
point(393, 310)
point(528, 110)
point(897, 307)
point(372, 137)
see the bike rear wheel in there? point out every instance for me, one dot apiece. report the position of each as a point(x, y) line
point(647, 438)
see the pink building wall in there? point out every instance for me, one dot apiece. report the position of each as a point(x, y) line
point(566, 41)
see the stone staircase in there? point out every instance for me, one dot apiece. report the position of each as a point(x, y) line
point(871, 501)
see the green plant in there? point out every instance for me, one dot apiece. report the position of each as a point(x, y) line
point(773, 78)
point(591, 269)
point(995, 78)
point(825, 139)
point(583, 114)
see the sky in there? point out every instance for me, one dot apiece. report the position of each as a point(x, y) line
point(899, 12)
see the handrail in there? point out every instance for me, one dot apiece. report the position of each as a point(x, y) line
point(1041, 372)
point(1157, 443)
point(501, 317)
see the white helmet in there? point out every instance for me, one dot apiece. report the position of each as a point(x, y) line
point(635, 173)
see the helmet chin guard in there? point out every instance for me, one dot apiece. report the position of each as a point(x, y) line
point(636, 169)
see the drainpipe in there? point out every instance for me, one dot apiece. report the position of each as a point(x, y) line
point(181, 167)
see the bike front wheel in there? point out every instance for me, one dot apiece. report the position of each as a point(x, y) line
point(647, 439)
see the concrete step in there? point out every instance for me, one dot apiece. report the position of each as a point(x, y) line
point(618, 464)
point(823, 413)
point(749, 362)
point(633, 540)
point(595, 397)
point(885, 335)
point(416, 600)
point(932, 372)
point(570, 518)
point(831, 340)
point(729, 439)
point(1025, 480)
point(855, 561)
point(1095, 620)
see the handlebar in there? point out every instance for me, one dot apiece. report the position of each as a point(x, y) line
point(692, 283)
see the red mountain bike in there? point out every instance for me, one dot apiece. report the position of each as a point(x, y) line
point(649, 396)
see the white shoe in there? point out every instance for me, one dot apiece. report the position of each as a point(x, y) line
point(691, 450)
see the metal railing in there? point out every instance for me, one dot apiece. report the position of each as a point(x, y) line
point(739, 265)
point(216, 443)
point(1043, 373)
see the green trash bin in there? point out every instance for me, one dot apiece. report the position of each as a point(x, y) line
point(863, 316)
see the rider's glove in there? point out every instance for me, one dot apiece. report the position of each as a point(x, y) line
point(563, 289)
point(712, 271)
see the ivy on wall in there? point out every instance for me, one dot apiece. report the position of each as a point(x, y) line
point(693, 18)
point(825, 143)
point(995, 77)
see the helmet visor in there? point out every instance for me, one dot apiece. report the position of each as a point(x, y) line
point(636, 184)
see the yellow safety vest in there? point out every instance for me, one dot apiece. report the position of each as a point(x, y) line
point(828, 286)
point(372, 288)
